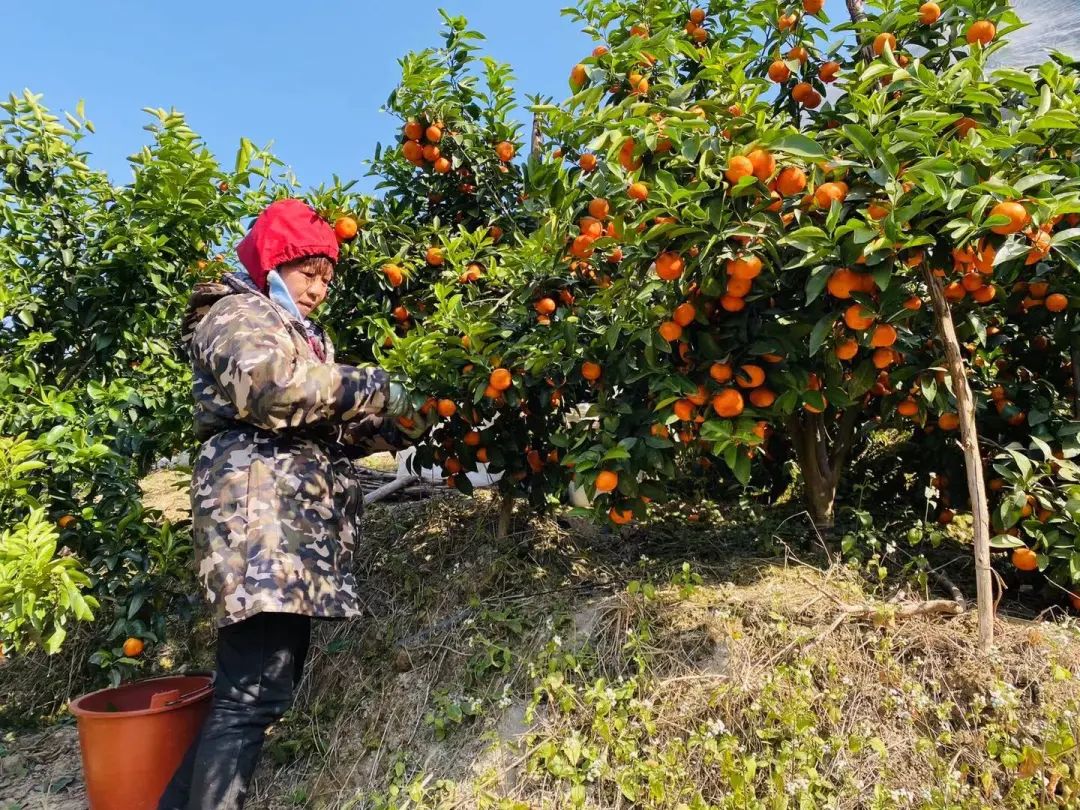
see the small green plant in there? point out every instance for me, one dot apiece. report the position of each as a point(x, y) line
point(41, 592)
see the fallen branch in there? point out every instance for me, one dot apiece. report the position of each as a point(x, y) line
point(389, 489)
point(933, 607)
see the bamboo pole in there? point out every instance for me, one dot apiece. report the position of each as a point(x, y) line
point(969, 444)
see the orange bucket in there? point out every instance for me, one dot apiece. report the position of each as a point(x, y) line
point(133, 737)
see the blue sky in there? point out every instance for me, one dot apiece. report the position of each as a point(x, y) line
point(309, 77)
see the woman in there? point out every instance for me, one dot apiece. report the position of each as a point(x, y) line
point(275, 497)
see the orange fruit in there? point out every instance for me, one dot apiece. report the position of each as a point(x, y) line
point(472, 439)
point(669, 265)
point(728, 403)
point(394, 274)
point(877, 210)
point(545, 306)
point(982, 32)
point(400, 313)
point(590, 371)
point(914, 303)
point(431, 153)
point(482, 455)
point(985, 294)
point(599, 208)
point(505, 151)
point(763, 162)
point(684, 314)
point(746, 267)
point(582, 246)
point(345, 228)
point(670, 331)
point(1039, 289)
point(846, 350)
point(1013, 211)
point(578, 76)
point(738, 168)
point(948, 421)
point(697, 16)
point(133, 647)
point(1024, 559)
point(587, 162)
point(620, 517)
point(434, 256)
point(929, 13)
point(414, 131)
point(801, 91)
point(881, 40)
point(842, 282)
point(955, 291)
point(791, 181)
point(412, 150)
point(907, 407)
point(739, 287)
point(606, 481)
point(591, 227)
point(787, 21)
point(638, 191)
point(884, 335)
point(858, 318)
point(639, 31)
point(779, 72)
point(750, 376)
point(66, 521)
point(827, 193)
point(699, 397)
point(731, 303)
point(721, 372)
point(626, 156)
point(442, 166)
point(798, 53)
point(829, 71)
point(813, 6)
point(500, 379)
point(684, 409)
point(1057, 302)
point(883, 357)
point(762, 397)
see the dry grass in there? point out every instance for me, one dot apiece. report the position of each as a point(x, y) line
point(755, 643)
point(168, 491)
point(754, 635)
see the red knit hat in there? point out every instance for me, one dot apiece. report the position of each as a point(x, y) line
point(285, 231)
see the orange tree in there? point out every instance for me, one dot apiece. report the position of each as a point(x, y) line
point(438, 280)
point(785, 259)
point(93, 385)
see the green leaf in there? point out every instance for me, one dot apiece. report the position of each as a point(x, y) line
point(821, 331)
point(796, 144)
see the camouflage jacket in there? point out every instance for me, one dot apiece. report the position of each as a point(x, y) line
point(275, 495)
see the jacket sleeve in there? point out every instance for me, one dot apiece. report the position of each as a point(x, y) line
point(373, 434)
point(252, 357)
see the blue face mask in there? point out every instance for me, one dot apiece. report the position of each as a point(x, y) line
point(279, 294)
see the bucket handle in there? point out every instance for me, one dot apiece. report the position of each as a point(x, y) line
point(163, 700)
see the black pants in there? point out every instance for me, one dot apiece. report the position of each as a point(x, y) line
point(259, 663)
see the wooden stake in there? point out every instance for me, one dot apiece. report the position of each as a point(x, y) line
point(969, 443)
point(536, 136)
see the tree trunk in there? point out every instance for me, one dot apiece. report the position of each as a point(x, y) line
point(822, 460)
point(969, 443)
point(506, 512)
